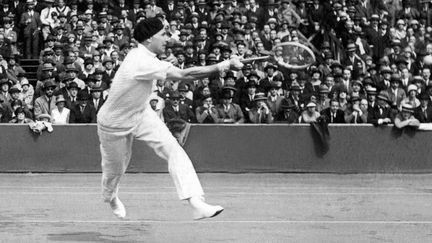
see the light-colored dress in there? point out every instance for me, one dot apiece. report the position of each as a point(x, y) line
point(60, 118)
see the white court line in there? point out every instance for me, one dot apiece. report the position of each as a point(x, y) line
point(395, 222)
point(227, 193)
point(210, 187)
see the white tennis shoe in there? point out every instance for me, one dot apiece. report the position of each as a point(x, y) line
point(118, 208)
point(202, 210)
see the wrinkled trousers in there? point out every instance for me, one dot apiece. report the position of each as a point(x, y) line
point(116, 151)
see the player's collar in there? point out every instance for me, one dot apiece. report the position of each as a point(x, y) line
point(144, 49)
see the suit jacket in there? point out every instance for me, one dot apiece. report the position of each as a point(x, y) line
point(184, 113)
point(234, 112)
point(396, 100)
point(421, 116)
point(374, 114)
point(43, 106)
point(340, 116)
point(100, 103)
point(254, 117)
point(87, 116)
point(30, 24)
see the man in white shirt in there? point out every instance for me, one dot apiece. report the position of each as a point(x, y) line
point(125, 117)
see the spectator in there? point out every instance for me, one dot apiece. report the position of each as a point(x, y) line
point(20, 117)
point(30, 24)
point(82, 112)
point(274, 99)
point(310, 114)
point(175, 110)
point(27, 94)
point(206, 113)
point(381, 114)
point(154, 106)
point(406, 118)
point(45, 103)
point(5, 84)
point(287, 114)
point(333, 114)
point(229, 112)
point(396, 94)
point(97, 101)
point(260, 113)
point(354, 114)
point(412, 96)
point(60, 114)
point(423, 113)
point(323, 101)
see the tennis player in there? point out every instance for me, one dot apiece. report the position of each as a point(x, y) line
point(125, 116)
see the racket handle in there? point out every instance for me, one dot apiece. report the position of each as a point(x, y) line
point(252, 59)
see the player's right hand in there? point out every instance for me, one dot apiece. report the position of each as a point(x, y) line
point(236, 64)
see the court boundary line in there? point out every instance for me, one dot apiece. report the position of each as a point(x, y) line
point(396, 222)
point(225, 193)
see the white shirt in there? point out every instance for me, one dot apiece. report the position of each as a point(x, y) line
point(131, 88)
point(60, 118)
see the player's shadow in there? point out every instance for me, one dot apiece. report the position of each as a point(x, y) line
point(85, 237)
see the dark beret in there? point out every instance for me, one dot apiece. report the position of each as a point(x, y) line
point(147, 28)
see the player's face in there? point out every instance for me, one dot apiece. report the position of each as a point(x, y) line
point(159, 41)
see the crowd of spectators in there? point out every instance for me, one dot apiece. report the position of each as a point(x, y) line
point(373, 59)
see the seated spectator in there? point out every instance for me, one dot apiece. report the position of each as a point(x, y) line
point(381, 114)
point(274, 99)
point(175, 110)
point(287, 114)
point(406, 118)
point(247, 100)
point(412, 96)
point(206, 113)
point(60, 114)
point(333, 114)
point(357, 89)
point(396, 94)
point(229, 112)
point(310, 114)
point(13, 69)
point(260, 113)
point(423, 113)
point(342, 98)
point(354, 114)
point(185, 95)
point(20, 117)
point(5, 84)
point(323, 101)
point(82, 112)
point(45, 103)
point(96, 98)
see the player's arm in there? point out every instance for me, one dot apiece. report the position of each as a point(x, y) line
point(194, 73)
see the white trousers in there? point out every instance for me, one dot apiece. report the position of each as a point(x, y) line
point(116, 150)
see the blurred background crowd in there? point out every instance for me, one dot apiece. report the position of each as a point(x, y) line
point(372, 63)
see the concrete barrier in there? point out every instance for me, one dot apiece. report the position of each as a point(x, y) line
point(230, 148)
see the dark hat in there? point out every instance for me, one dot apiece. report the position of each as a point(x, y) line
point(174, 95)
point(351, 47)
point(71, 68)
point(88, 61)
point(386, 69)
point(48, 84)
point(182, 87)
point(355, 98)
point(383, 95)
point(96, 89)
point(358, 82)
point(73, 85)
point(147, 28)
point(395, 78)
point(98, 71)
point(424, 96)
point(211, 58)
point(323, 89)
point(108, 59)
point(286, 105)
point(14, 90)
point(254, 74)
point(336, 64)
point(230, 74)
point(108, 39)
point(83, 96)
point(295, 87)
point(227, 87)
point(270, 65)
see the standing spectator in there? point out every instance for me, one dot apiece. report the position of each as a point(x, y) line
point(30, 24)
point(260, 113)
point(82, 112)
point(27, 94)
point(45, 103)
point(60, 115)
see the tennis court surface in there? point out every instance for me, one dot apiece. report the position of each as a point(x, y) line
point(258, 208)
